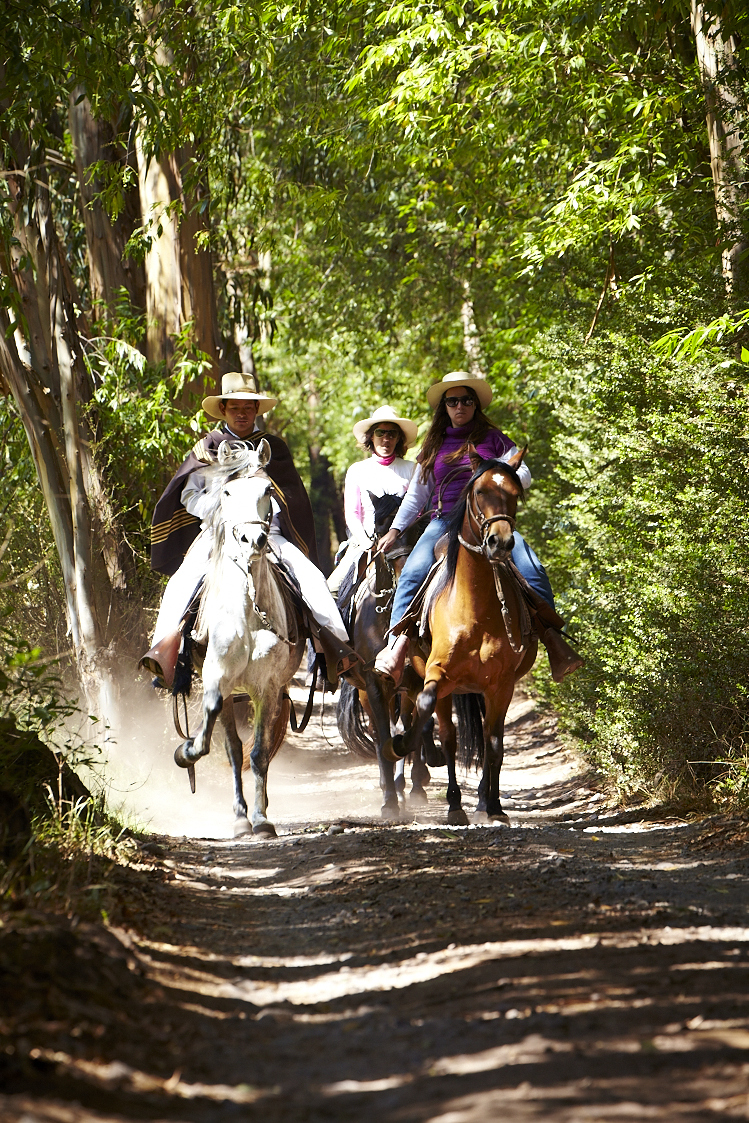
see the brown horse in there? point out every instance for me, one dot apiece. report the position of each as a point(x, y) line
point(367, 621)
point(481, 641)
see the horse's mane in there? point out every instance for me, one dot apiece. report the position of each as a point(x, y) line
point(385, 507)
point(456, 516)
point(241, 460)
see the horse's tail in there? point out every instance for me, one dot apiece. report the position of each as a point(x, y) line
point(469, 711)
point(350, 725)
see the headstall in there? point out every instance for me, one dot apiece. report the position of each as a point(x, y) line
point(483, 525)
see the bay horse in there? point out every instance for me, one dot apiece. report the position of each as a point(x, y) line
point(481, 638)
point(367, 622)
point(255, 638)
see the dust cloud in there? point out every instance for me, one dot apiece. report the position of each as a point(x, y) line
point(312, 780)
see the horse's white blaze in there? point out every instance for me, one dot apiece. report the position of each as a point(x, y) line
point(500, 479)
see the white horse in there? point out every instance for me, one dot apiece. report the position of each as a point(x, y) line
point(254, 636)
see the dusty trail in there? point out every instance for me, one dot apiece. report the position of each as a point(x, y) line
point(580, 967)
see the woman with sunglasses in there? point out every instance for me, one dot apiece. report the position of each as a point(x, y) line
point(459, 420)
point(385, 472)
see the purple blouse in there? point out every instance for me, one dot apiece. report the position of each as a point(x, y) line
point(450, 479)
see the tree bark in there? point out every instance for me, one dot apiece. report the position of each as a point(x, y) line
point(109, 272)
point(46, 393)
point(159, 198)
point(726, 112)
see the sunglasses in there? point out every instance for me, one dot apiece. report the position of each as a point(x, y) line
point(385, 432)
point(453, 402)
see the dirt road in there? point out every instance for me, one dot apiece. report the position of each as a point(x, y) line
point(580, 967)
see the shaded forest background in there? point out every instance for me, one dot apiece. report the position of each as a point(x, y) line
point(354, 199)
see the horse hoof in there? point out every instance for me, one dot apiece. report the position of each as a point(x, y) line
point(418, 799)
point(499, 819)
point(457, 817)
point(435, 757)
point(390, 812)
point(264, 830)
point(179, 754)
point(242, 826)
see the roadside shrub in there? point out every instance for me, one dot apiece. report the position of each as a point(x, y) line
point(645, 517)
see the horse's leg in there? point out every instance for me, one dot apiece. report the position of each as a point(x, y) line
point(194, 748)
point(378, 706)
point(268, 713)
point(233, 745)
point(419, 771)
point(400, 780)
point(490, 805)
point(456, 816)
point(420, 778)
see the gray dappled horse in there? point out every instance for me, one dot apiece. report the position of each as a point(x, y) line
point(254, 637)
point(368, 624)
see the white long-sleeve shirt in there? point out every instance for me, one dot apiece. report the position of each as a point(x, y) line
point(371, 477)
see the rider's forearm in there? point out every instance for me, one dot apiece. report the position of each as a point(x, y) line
point(415, 501)
point(524, 472)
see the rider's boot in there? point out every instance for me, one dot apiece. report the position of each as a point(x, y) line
point(563, 659)
point(161, 660)
point(391, 661)
point(341, 659)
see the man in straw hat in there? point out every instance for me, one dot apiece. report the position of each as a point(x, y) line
point(181, 546)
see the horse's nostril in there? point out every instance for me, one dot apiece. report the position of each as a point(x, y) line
point(262, 539)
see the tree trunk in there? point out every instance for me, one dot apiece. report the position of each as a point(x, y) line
point(158, 191)
point(46, 393)
point(726, 111)
point(109, 273)
point(471, 338)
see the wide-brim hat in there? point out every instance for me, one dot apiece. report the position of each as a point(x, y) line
point(237, 386)
point(386, 413)
point(480, 387)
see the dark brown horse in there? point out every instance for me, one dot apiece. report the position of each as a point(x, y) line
point(367, 718)
point(481, 641)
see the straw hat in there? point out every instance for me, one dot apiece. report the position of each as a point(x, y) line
point(385, 413)
point(236, 386)
point(480, 387)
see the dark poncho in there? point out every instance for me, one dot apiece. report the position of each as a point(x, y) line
point(174, 529)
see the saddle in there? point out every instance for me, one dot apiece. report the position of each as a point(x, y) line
point(535, 613)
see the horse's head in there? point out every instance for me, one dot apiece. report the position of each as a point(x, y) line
point(244, 495)
point(491, 504)
point(385, 507)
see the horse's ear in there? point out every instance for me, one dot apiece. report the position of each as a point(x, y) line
point(474, 457)
point(263, 450)
point(224, 452)
point(517, 458)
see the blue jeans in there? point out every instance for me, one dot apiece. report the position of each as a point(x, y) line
point(421, 559)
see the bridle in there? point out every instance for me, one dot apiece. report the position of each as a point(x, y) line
point(483, 524)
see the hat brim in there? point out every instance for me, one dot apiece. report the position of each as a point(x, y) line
point(211, 404)
point(408, 428)
point(480, 387)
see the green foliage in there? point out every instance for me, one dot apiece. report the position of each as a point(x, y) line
point(647, 529)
